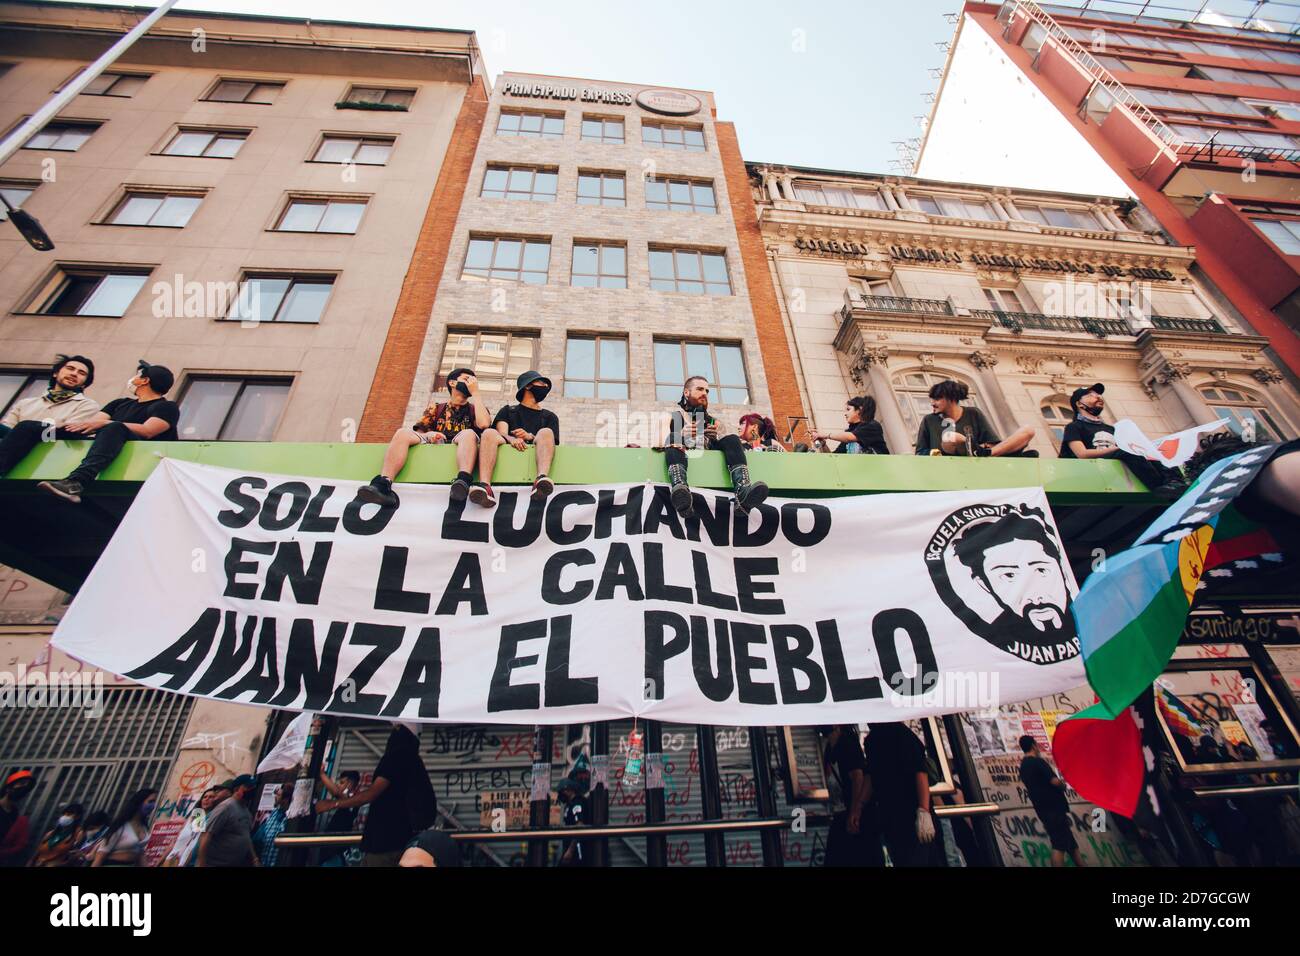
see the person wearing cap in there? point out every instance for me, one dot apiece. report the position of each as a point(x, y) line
point(577, 810)
point(520, 426)
point(227, 838)
point(148, 416)
point(1088, 436)
point(458, 421)
point(63, 403)
point(15, 828)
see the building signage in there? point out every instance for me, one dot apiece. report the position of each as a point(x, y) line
point(845, 247)
point(1255, 628)
point(553, 91)
point(670, 102)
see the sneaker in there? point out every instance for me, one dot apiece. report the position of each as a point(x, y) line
point(67, 488)
point(378, 492)
point(459, 489)
point(542, 487)
point(481, 494)
point(751, 496)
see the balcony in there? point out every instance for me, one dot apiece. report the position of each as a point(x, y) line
point(1178, 323)
point(894, 304)
point(1019, 321)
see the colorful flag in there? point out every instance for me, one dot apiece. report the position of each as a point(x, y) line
point(1170, 451)
point(1176, 716)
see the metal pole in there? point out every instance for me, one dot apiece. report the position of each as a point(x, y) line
point(706, 744)
point(971, 790)
point(600, 792)
point(539, 811)
point(764, 795)
point(14, 141)
point(656, 846)
point(323, 731)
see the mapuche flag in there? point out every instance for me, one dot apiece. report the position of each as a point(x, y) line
point(1130, 615)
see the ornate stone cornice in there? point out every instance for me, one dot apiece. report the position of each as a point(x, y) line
point(983, 360)
point(1267, 376)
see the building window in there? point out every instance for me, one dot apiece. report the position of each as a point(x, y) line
point(534, 183)
point(511, 259)
point(244, 91)
point(600, 265)
point(690, 271)
point(15, 193)
point(595, 366)
point(913, 391)
point(219, 144)
point(600, 129)
point(673, 136)
point(1239, 407)
point(1057, 414)
point(954, 207)
point(376, 98)
point(1283, 111)
point(232, 409)
point(1283, 233)
point(17, 384)
point(601, 189)
point(171, 210)
point(362, 150)
point(115, 84)
point(1060, 217)
point(680, 195)
point(866, 286)
point(321, 215)
point(1007, 300)
point(822, 194)
point(60, 135)
point(535, 125)
point(89, 291)
point(282, 298)
point(722, 364)
point(497, 358)
point(1097, 105)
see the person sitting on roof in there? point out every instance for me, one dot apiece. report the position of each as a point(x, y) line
point(861, 434)
point(955, 429)
point(63, 403)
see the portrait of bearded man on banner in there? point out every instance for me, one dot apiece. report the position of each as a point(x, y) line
point(1001, 570)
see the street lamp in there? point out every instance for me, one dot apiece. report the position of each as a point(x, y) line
point(29, 226)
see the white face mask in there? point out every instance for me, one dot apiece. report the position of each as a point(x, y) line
point(65, 820)
point(130, 386)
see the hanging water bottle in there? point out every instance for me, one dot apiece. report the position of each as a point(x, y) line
point(634, 766)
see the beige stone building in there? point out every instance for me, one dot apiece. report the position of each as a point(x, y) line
point(889, 284)
point(598, 241)
point(292, 161)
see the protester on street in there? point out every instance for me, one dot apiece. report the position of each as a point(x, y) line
point(1089, 436)
point(343, 820)
point(853, 839)
point(401, 797)
point(227, 838)
point(60, 841)
point(861, 434)
point(15, 828)
point(1047, 794)
point(520, 426)
point(577, 813)
point(956, 429)
point(128, 834)
point(900, 787)
point(187, 840)
point(93, 833)
point(458, 421)
point(270, 828)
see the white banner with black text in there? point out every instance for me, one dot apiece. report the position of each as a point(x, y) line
point(596, 603)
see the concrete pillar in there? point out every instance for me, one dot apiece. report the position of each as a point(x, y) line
point(771, 185)
point(891, 198)
point(787, 186)
point(901, 198)
point(991, 390)
point(1012, 211)
point(891, 417)
point(1000, 210)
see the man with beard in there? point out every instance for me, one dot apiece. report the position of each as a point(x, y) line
point(692, 428)
point(1018, 564)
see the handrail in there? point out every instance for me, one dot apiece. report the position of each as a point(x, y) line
point(1101, 75)
point(1182, 323)
point(1019, 321)
point(623, 830)
point(897, 303)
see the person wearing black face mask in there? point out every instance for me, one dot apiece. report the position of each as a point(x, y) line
point(1088, 436)
point(457, 421)
point(520, 426)
point(693, 428)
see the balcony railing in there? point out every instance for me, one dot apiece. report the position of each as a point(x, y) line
point(1211, 148)
point(1019, 321)
point(1179, 323)
point(897, 303)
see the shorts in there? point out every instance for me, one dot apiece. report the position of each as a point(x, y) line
point(1060, 830)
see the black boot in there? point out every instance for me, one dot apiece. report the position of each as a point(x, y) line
point(378, 492)
point(680, 491)
point(749, 494)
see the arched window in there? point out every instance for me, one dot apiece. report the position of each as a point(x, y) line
point(913, 391)
point(1237, 405)
point(1057, 414)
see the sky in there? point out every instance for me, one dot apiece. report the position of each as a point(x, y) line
point(811, 83)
